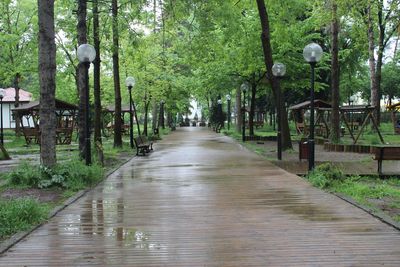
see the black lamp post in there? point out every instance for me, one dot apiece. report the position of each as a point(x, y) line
point(130, 82)
point(279, 70)
point(312, 53)
point(228, 99)
point(86, 54)
point(2, 93)
point(162, 103)
point(244, 87)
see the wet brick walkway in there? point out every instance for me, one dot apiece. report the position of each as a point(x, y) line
point(202, 200)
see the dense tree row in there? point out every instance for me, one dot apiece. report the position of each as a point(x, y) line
point(180, 50)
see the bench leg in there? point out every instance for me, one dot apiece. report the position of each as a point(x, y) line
point(380, 167)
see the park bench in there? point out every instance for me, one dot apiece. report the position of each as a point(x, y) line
point(143, 145)
point(386, 153)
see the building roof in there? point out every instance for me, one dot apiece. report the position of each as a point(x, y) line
point(9, 95)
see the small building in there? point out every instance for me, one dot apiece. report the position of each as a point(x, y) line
point(9, 104)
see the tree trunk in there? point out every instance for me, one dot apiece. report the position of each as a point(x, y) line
point(47, 81)
point(96, 74)
point(266, 44)
point(117, 85)
point(146, 116)
point(81, 74)
point(335, 124)
point(16, 104)
point(371, 60)
point(154, 112)
point(379, 62)
point(239, 115)
point(252, 107)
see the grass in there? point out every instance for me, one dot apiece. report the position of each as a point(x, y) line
point(377, 194)
point(20, 214)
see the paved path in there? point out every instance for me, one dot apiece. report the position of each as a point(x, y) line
point(202, 200)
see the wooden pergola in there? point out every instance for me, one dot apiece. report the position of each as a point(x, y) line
point(321, 124)
point(110, 125)
point(394, 109)
point(30, 120)
point(367, 111)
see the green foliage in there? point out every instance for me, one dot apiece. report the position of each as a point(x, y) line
point(20, 214)
point(72, 175)
point(325, 175)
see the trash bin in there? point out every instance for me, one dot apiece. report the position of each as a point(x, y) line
point(303, 150)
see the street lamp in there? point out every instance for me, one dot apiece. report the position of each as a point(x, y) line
point(219, 115)
point(228, 99)
point(86, 54)
point(279, 70)
point(130, 82)
point(162, 113)
point(244, 87)
point(2, 93)
point(312, 53)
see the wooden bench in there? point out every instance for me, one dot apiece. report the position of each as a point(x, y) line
point(386, 153)
point(143, 145)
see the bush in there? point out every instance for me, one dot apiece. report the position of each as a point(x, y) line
point(73, 175)
point(20, 214)
point(325, 175)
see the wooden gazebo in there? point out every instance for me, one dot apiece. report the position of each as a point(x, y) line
point(394, 109)
point(30, 120)
point(321, 125)
point(109, 125)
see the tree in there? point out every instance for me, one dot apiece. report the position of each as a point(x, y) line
point(117, 84)
point(266, 44)
point(81, 29)
point(47, 74)
point(335, 123)
point(96, 74)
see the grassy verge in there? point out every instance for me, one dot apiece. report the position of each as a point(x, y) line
point(377, 194)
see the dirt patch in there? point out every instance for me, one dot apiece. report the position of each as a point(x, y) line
point(39, 194)
point(385, 204)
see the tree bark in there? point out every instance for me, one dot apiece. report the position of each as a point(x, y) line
point(371, 60)
point(266, 44)
point(117, 85)
point(96, 74)
point(238, 104)
point(252, 106)
point(47, 81)
point(379, 61)
point(16, 104)
point(81, 74)
point(335, 124)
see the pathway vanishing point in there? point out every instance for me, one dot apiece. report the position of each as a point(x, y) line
point(201, 199)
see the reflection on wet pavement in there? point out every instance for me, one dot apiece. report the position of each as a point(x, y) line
point(202, 200)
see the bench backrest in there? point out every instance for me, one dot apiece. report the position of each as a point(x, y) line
point(138, 141)
point(387, 153)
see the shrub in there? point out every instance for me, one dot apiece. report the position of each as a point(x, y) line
point(73, 175)
point(325, 175)
point(20, 214)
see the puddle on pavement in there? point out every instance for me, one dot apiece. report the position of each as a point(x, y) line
point(296, 204)
point(135, 238)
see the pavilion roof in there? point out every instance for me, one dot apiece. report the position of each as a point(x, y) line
point(35, 105)
point(306, 104)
